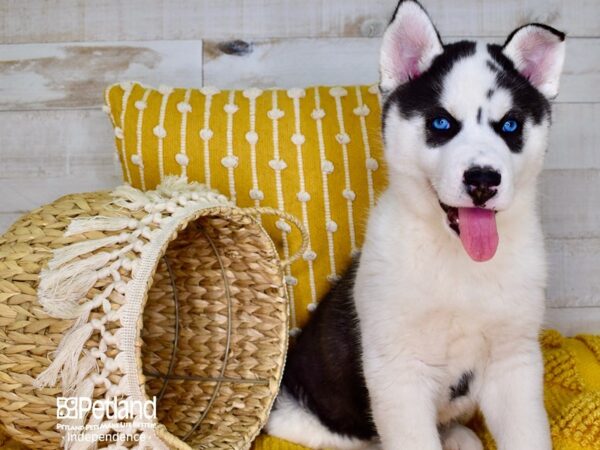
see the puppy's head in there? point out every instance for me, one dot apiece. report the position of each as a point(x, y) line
point(466, 124)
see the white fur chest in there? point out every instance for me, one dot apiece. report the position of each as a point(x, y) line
point(418, 295)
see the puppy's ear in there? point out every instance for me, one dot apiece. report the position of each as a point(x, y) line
point(410, 44)
point(538, 53)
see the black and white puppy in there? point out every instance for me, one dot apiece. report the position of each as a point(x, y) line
point(440, 314)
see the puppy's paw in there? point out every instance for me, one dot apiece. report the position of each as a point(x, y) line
point(459, 437)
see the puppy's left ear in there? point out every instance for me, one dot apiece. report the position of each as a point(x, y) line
point(410, 43)
point(538, 53)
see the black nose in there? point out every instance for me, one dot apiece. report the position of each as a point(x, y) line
point(481, 183)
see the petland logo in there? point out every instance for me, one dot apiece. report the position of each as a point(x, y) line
point(111, 409)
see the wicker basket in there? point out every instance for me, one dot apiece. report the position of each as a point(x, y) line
point(187, 305)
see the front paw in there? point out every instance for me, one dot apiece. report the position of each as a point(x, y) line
point(459, 437)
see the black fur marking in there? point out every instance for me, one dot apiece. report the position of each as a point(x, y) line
point(490, 93)
point(528, 102)
point(479, 115)
point(324, 367)
point(561, 36)
point(423, 93)
point(421, 96)
point(493, 67)
point(462, 387)
point(436, 137)
point(527, 99)
point(514, 141)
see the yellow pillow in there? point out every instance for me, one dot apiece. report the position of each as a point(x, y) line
point(315, 153)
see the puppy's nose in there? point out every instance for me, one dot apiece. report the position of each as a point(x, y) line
point(481, 183)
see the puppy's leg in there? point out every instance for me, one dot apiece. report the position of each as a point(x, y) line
point(459, 437)
point(512, 399)
point(402, 402)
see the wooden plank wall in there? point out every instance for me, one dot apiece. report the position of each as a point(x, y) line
point(56, 56)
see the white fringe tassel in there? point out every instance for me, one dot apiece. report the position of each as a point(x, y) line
point(173, 184)
point(87, 364)
point(60, 290)
point(130, 198)
point(66, 254)
point(66, 360)
point(98, 223)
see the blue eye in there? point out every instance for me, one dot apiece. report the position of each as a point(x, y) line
point(441, 123)
point(510, 126)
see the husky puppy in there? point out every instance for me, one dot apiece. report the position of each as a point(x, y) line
point(441, 311)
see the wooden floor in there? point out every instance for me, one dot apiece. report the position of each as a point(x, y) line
point(57, 56)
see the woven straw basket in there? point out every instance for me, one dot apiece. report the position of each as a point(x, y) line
point(173, 294)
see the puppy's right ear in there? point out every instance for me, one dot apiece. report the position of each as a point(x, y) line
point(410, 44)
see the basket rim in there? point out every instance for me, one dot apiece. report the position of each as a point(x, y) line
point(167, 238)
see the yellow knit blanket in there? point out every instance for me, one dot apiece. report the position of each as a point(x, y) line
point(572, 396)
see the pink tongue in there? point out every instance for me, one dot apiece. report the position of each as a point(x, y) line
point(478, 232)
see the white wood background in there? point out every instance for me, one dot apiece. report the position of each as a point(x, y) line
point(56, 57)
